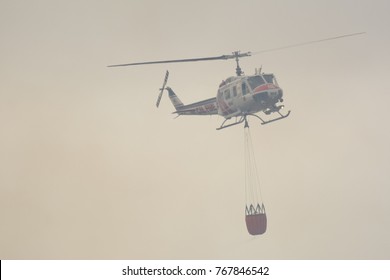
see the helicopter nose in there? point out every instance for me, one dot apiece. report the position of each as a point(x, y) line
point(275, 93)
point(268, 94)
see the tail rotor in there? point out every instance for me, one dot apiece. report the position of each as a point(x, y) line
point(162, 89)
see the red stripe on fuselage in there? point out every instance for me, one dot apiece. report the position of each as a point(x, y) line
point(264, 87)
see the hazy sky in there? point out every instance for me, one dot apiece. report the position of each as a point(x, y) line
point(90, 169)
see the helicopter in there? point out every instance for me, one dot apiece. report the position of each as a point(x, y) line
point(237, 96)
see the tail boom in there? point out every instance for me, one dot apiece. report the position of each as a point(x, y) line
point(204, 107)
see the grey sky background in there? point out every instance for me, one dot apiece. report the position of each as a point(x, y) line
point(90, 169)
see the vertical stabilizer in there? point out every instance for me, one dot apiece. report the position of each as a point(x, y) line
point(174, 99)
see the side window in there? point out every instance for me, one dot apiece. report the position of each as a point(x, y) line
point(234, 91)
point(244, 88)
point(227, 94)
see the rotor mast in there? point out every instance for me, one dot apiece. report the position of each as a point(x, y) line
point(238, 68)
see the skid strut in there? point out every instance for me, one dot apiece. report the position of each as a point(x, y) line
point(242, 119)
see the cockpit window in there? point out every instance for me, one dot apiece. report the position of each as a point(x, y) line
point(269, 78)
point(255, 81)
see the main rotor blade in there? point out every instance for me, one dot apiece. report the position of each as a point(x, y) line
point(308, 43)
point(222, 57)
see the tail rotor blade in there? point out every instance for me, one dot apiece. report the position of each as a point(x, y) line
point(162, 89)
point(159, 98)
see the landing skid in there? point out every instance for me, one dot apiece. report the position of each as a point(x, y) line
point(244, 119)
point(275, 119)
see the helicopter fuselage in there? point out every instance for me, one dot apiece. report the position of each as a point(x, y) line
point(236, 96)
point(243, 95)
